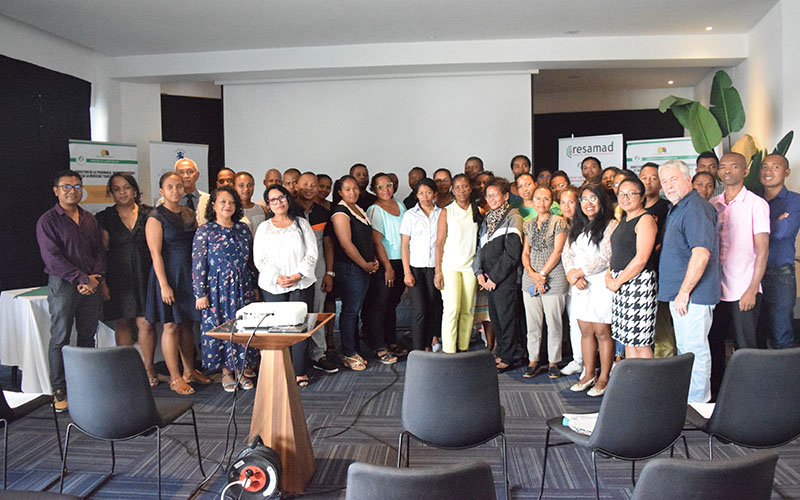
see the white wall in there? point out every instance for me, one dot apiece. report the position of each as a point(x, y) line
point(759, 80)
point(388, 124)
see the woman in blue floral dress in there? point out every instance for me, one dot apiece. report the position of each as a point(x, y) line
point(222, 276)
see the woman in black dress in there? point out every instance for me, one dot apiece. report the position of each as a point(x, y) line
point(127, 267)
point(170, 298)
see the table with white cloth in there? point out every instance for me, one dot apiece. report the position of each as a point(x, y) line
point(25, 336)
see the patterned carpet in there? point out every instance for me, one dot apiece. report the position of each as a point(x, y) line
point(335, 400)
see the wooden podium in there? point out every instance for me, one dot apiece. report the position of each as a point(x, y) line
point(278, 415)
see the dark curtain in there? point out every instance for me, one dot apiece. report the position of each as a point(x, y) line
point(195, 120)
point(40, 111)
point(632, 124)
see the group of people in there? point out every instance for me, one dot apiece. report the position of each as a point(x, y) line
point(632, 273)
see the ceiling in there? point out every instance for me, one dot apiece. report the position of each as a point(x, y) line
point(138, 27)
point(574, 80)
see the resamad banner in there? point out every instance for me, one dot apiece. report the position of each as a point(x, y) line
point(572, 151)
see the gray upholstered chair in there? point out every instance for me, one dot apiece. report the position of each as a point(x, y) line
point(758, 405)
point(15, 405)
point(110, 399)
point(452, 401)
point(465, 482)
point(742, 478)
point(642, 413)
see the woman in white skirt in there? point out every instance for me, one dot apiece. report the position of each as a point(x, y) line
point(586, 259)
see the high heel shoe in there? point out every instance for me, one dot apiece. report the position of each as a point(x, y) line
point(578, 387)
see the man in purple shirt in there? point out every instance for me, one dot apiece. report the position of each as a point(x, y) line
point(780, 288)
point(74, 258)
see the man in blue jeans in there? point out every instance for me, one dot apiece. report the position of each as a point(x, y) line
point(74, 258)
point(688, 273)
point(780, 289)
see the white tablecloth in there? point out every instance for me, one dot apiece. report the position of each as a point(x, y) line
point(25, 336)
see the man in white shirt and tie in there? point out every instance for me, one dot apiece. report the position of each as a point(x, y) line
point(194, 199)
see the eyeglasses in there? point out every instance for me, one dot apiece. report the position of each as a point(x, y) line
point(589, 199)
point(628, 196)
point(387, 185)
point(70, 187)
point(439, 181)
point(540, 199)
point(279, 199)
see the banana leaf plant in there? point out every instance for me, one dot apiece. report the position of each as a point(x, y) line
point(707, 127)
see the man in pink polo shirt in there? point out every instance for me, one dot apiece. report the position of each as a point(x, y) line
point(743, 227)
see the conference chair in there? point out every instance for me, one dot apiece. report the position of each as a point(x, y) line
point(742, 478)
point(14, 406)
point(452, 402)
point(758, 405)
point(641, 416)
point(465, 482)
point(110, 399)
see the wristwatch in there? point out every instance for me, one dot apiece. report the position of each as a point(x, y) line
point(331, 274)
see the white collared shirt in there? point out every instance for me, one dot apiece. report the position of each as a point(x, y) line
point(422, 231)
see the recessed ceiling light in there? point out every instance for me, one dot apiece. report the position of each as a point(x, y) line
point(670, 82)
point(709, 28)
point(572, 32)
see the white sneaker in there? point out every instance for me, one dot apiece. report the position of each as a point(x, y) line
point(572, 368)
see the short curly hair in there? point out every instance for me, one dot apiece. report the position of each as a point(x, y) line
point(211, 215)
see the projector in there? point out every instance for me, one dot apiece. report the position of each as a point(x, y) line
point(271, 314)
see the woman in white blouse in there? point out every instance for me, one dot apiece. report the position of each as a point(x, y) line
point(586, 258)
point(285, 253)
point(418, 249)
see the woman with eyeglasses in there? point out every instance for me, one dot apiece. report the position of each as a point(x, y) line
point(418, 250)
point(285, 253)
point(170, 230)
point(222, 274)
point(632, 273)
point(586, 259)
point(386, 287)
point(354, 262)
point(127, 268)
point(497, 268)
point(443, 179)
point(544, 284)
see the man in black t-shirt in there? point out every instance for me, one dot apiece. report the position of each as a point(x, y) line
point(318, 217)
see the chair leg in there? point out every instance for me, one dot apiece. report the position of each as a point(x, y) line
point(505, 466)
point(64, 458)
point(544, 462)
point(113, 458)
point(5, 450)
point(633, 472)
point(596, 483)
point(685, 446)
point(710, 447)
point(400, 450)
point(158, 456)
point(197, 442)
point(58, 431)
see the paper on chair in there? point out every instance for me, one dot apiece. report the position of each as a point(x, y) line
point(582, 423)
point(704, 409)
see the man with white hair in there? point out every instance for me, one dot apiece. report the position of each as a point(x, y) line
point(689, 275)
point(195, 199)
